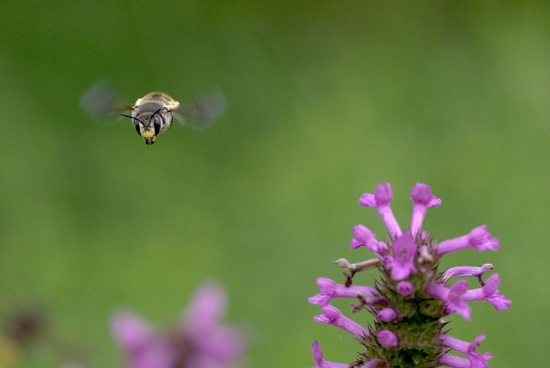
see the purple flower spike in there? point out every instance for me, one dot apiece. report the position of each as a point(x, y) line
point(320, 299)
point(131, 330)
point(411, 298)
point(380, 201)
point(332, 316)
point(387, 315)
point(448, 360)
point(402, 263)
point(331, 290)
point(405, 289)
point(335, 290)
point(489, 292)
point(202, 323)
point(143, 348)
point(206, 309)
point(319, 359)
point(388, 339)
point(474, 358)
point(371, 363)
point(199, 341)
point(453, 297)
point(478, 238)
point(422, 197)
point(500, 302)
point(363, 237)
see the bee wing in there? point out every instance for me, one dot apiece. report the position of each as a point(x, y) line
point(103, 103)
point(202, 112)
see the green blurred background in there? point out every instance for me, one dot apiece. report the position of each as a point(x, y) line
point(326, 100)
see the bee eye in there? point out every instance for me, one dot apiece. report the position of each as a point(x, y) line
point(137, 128)
point(157, 123)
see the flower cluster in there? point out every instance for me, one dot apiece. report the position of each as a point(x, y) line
point(199, 341)
point(412, 297)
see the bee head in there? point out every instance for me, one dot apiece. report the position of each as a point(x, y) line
point(148, 125)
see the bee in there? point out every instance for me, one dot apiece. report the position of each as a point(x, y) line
point(155, 112)
point(27, 327)
point(22, 326)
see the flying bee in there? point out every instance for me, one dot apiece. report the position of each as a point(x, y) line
point(27, 326)
point(155, 112)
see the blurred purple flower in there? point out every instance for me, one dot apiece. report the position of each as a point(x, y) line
point(412, 297)
point(199, 340)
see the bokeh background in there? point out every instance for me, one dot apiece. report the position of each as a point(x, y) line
point(326, 100)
